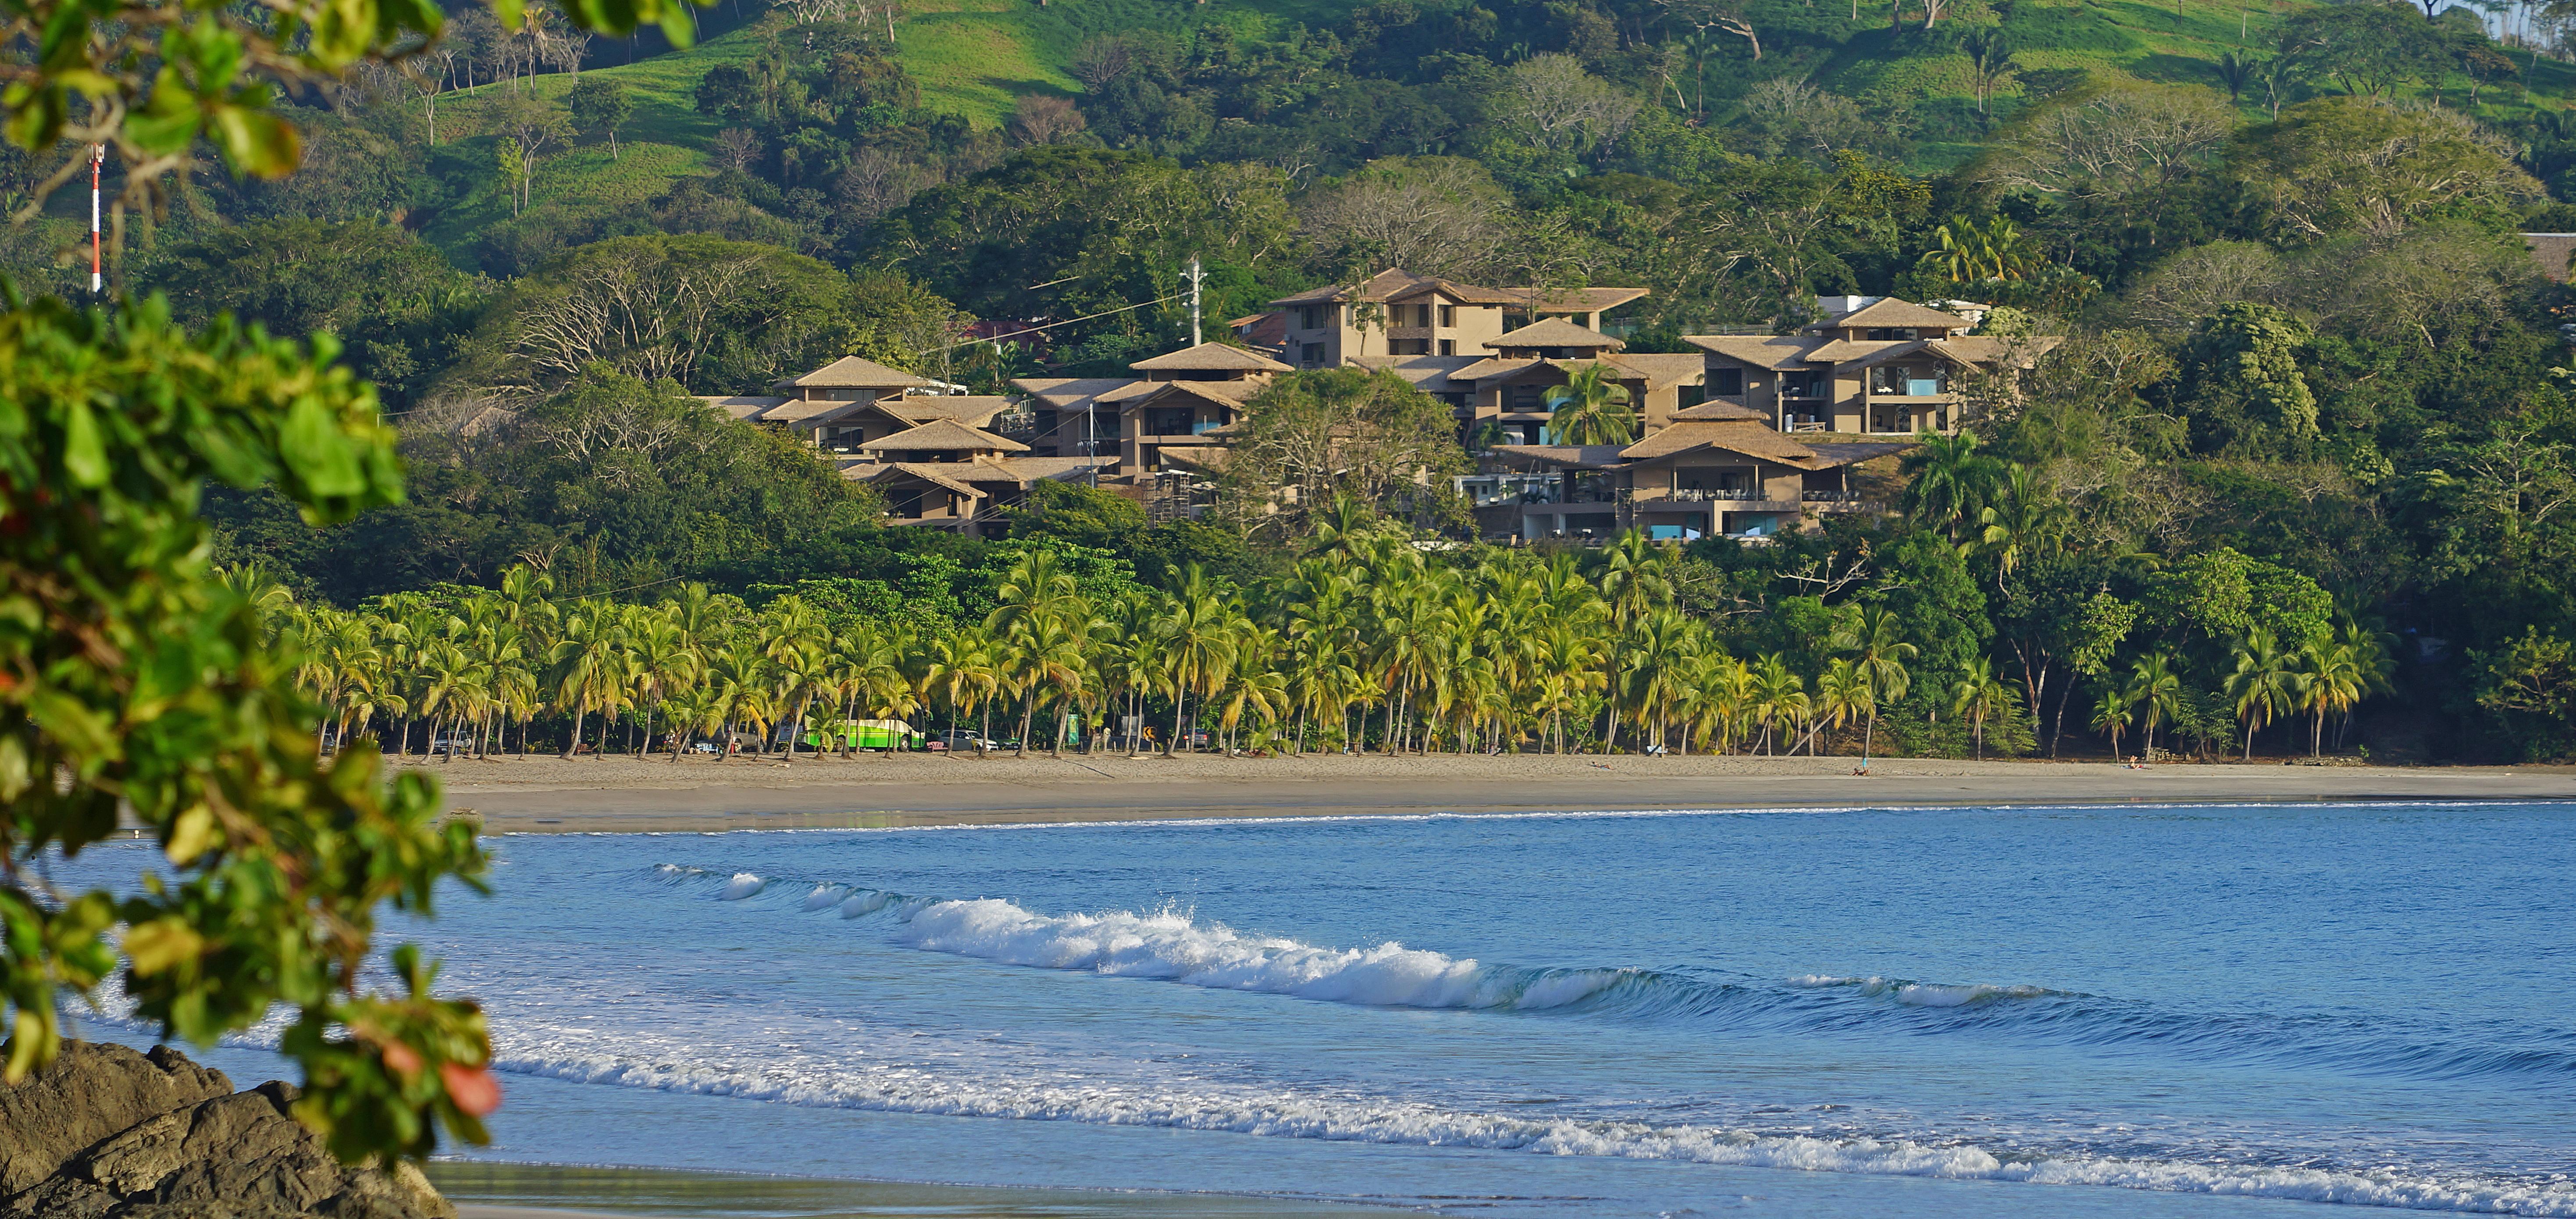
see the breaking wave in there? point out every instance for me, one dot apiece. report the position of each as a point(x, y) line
point(1172, 945)
point(1282, 1112)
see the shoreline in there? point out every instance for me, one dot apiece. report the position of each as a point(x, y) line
point(505, 1189)
point(625, 795)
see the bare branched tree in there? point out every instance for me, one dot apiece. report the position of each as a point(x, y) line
point(2115, 143)
point(1553, 104)
point(1039, 119)
point(1428, 215)
point(643, 315)
point(878, 182)
point(736, 148)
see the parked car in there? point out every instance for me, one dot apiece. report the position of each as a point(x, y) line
point(706, 747)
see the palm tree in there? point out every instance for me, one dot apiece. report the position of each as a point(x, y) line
point(2155, 688)
point(2111, 713)
point(2263, 684)
point(964, 674)
point(1843, 695)
point(1591, 407)
point(581, 665)
point(2026, 522)
point(1990, 61)
point(1875, 639)
point(2333, 683)
point(1199, 640)
point(1951, 482)
point(1979, 695)
point(1779, 696)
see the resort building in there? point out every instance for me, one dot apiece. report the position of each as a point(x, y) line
point(1750, 435)
point(1716, 470)
point(1883, 367)
point(1398, 313)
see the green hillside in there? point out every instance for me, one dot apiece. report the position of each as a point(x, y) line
point(978, 58)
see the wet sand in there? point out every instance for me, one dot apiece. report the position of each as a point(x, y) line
point(483, 1190)
point(619, 794)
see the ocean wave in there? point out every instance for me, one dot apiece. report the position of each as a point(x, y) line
point(1173, 945)
point(1210, 1105)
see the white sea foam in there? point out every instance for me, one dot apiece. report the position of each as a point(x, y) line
point(743, 884)
point(1034, 1093)
point(1169, 945)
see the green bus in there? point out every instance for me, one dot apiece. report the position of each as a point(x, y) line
point(863, 734)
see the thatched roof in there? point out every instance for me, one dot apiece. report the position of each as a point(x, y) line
point(1894, 312)
point(1211, 357)
point(943, 436)
point(742, 406)
point(935, 473)
point(1556, 332)
point(1735, 436)
point(1719, 410)
point(1397, 285)
point(1559, 456)
point(851, 372)
point(1761, 351)
point(973, 410)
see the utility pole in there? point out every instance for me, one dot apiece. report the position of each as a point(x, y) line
point(1195, 276)
point(97, 158)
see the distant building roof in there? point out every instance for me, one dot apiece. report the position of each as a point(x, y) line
point(1774, 352)
point(1896, 313)
point(943, 436)
point(1556, 332)
point(936, 473)
point(1065, 393)
point(852, 372)
point(973, 410)
point(742, 406)
point(1211, 357)
point(1561, 456)
point(1661, 368)
point(1735, 436)
point(1433, 374)
point(1717, 409)
point(1397, 284)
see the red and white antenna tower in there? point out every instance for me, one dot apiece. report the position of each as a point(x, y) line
point(97, 158)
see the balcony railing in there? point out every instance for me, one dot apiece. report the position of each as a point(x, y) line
point(1701, 495)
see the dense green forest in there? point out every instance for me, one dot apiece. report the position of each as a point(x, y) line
point(2301, 334)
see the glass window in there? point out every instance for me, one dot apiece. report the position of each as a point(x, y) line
point(1726, 382)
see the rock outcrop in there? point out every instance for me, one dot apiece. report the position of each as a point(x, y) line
point(107, 1133)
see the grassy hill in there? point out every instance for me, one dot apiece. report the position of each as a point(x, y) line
point(978, 57)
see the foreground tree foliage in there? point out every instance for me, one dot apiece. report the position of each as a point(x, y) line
point(131, 679)
point(134, 682)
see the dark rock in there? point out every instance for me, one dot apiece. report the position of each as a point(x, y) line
point(223, 1155)
point(92, 1090)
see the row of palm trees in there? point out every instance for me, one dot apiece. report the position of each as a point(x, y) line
point(2266, 682)
point(1365, 643)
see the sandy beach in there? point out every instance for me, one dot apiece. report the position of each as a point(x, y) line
point(616, 794)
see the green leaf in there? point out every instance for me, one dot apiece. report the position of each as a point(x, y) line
point(256, 141)
point(313, 446)
point(84, 456)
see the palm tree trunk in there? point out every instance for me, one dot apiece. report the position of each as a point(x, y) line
point(1028, 711)
point(1179, 698)
point(572, 741)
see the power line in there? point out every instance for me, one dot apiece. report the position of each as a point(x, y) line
point(1052, 325)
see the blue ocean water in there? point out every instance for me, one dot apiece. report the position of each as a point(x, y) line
point(2114, 1011)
